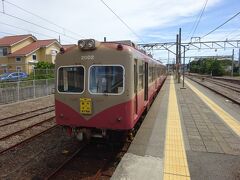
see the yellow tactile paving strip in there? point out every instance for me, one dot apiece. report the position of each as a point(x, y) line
point(226, 117)
point(175, 160)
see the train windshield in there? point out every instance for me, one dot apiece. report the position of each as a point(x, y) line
point(106, 79)
point(71, 79)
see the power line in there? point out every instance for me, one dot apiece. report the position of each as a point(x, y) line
point(200, 17)
point(25, 29)
point(197, 20)
point(221, 24)
point(6, 33)
point(37, 25)
point(42, 18)
point(30, 31)
point(120, 19)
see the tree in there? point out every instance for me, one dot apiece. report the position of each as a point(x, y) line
point(44, 65)
point(43, 70)
point(217, 68)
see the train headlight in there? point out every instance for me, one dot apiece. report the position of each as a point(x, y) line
point(91, 43)
point(81, 44)
point(87, 44)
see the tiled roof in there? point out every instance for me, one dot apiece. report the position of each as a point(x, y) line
point(32, 47)
point(10, 40)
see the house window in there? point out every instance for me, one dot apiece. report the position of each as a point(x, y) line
point(54, 52)
point(3, 51)
point(19, 68)
point(34, 57)
point(18, 59)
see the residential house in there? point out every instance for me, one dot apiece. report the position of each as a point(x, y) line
point(22, 52)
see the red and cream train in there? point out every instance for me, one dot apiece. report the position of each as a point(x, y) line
point(103, 87)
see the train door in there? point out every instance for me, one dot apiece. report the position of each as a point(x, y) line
point(146, 82)
point(135, 86)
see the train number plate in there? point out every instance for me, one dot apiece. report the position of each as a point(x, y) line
point(85, 106)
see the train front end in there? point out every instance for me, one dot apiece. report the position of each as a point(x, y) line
point(93, 96)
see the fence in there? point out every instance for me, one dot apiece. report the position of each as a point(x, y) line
point(39, 83)
point(21, 90)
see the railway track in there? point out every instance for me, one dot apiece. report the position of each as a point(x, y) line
point(231, 92)
point(231, 86)
point(234, 81)
point(25, 116)
point(12, 140)
point(26, 113)
point(101, 161)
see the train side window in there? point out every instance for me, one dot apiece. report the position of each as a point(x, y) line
point(106, 79)
point(140, 76)
point(71, 79)
point(150, 74)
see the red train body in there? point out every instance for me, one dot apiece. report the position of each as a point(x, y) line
point(105, 86)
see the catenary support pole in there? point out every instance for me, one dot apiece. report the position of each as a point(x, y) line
point(239, 62)
point(177, 64)
point(232, 62)
point(179, 54)
point(183, 65)
point(168, 63)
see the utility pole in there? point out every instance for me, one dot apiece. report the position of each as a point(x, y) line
point(177, 62)
point(3, 7)
point(179, 52)
point(232, 62)
point(59, 39)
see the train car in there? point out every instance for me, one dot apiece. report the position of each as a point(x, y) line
point(104, 87)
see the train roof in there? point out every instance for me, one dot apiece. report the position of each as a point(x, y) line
point(133, 45)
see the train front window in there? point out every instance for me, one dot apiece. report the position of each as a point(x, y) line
point(106, 80)
point(71, 79)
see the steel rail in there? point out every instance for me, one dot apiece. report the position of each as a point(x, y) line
point(23, 119)
point(27, 128)
point(222, 94)
point(26, 113)
point(28, 139)
point(59, 168)
point(224, 85)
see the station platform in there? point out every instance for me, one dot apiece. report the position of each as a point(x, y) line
point(188, 133)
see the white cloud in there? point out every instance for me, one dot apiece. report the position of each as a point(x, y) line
point(93, 19)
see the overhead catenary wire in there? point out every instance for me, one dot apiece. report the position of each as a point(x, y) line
point(29, 22)
point(197, 21)
point(13, 26)
point(6, 33)
point(221, 25)
point(40, 17)
point(120, 19)
point(200, 17)
point(6, 24)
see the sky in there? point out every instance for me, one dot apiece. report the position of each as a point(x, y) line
point(149, 21)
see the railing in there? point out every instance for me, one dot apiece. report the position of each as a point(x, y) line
point(21, 90)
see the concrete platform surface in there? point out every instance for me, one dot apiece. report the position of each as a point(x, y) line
point(206, 132)
point(138, 167)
